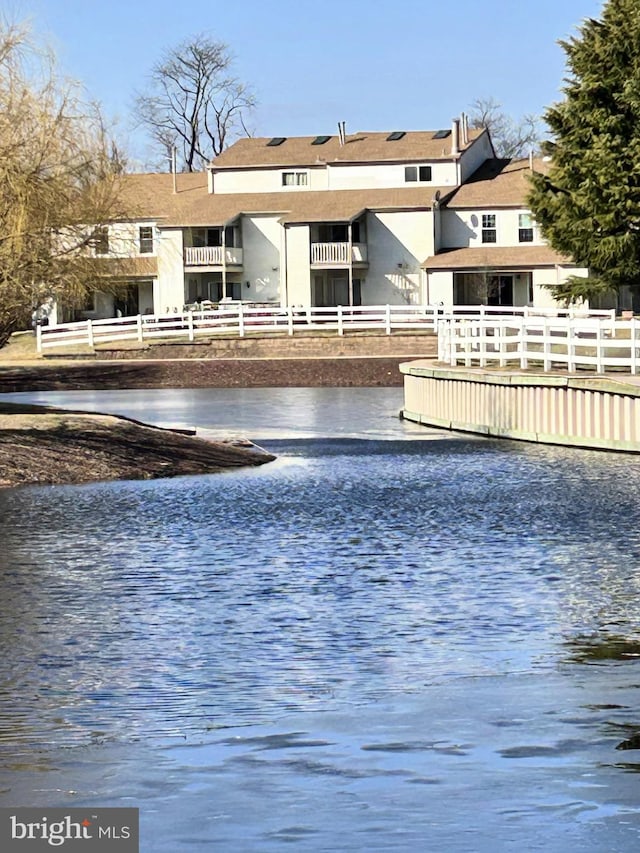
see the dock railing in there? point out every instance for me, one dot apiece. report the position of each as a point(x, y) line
point(243, 319)
point(593, 343)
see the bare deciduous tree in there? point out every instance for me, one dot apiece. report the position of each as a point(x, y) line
point(194, 102)
point(58, 179)
point(510, 138)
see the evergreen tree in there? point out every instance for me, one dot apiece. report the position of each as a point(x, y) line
point(588, 204)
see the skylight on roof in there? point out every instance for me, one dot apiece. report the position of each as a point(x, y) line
point(397, 134)
point(277, 140)
point(441, 134)
point(320, 140)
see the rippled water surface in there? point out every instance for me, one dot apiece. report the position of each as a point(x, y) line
point(388, 639)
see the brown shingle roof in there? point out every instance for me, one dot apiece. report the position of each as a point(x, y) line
point(359, 147)
point(300, 207)
point(151, 196)
point(139, 267)
point(495, 257)
point(497, 183)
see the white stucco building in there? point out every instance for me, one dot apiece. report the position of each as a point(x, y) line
point(366, 218)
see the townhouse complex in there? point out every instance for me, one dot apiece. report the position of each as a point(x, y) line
point(394, 218)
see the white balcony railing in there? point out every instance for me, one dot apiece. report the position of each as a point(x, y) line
point(211, 256)
point(338, 253)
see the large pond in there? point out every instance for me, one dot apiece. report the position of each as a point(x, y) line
point(388, 639)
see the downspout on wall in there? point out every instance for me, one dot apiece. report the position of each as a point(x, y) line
point(350, 250)
point(437, 239)
point(284, 283)
point(224, 260)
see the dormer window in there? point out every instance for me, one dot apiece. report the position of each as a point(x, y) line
point(295, 179)
point(417, 174)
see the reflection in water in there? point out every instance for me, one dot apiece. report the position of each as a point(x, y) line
point(603, 647)
point(360, 646)
point(256, 413)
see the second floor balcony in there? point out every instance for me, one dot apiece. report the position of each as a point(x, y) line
point(212, 256)
point(337, 254)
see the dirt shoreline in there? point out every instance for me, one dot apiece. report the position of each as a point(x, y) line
point(40, 445)
point(47, 446)
point(79, 375)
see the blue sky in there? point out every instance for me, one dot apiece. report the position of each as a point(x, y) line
point(378, 65)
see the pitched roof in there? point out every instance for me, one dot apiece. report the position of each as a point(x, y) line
point(150, 195)
point(304, 206)
point(497, 183)
point(496, 257)
point(369, 147)
point(144, 266)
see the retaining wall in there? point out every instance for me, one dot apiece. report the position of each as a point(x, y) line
point(583, 411)
point(312, 346)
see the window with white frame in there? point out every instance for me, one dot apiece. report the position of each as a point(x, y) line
point(489, 233)
point(525, 228)
point(295, 179)
point(101, 240)
point(414, 174)
point(145, 239)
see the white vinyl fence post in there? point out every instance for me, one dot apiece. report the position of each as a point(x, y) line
point(38, 337)
point(290, 319)
point(599, 349)
point(502, 330)
point(387, 319)
point(524, 343)
point(571, 346)
point(240, 320)
point(340, 320)
point(90, 333)
point(190, 324)
point(546, 348)
point(139, 328)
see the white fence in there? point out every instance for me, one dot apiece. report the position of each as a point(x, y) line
point(589, 342)
point(238, 319)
